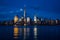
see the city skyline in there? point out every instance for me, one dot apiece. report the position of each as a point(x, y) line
point(26, 20)
point(42, 8)
point(29, 19)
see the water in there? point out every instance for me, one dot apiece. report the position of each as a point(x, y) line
point(29, 32)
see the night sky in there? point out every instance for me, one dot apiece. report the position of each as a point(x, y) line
point(40, 8)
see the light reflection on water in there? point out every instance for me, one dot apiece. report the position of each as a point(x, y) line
point(35, 33)
point(24, 33)
point(16, 31)
point(29, 32)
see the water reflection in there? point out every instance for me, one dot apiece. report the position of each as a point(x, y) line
point(20, 33)
point(28, 29)
point(24, 32)
point(35, 32)
point(16, 31)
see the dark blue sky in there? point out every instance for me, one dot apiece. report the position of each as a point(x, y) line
point(41, 8)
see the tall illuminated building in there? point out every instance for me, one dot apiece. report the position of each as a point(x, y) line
point(57, 21)
point(28, 20)
point(24, 15)
point(24, 11)
point(35, 19)
point(16, 19)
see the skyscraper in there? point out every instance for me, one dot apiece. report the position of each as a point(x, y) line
point(24, 15)
point(24, 11)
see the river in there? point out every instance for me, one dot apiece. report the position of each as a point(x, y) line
point(29, 32)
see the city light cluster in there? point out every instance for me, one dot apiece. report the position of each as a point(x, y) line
point(28, 21)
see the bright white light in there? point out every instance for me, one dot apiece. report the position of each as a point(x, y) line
point(21, 9)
